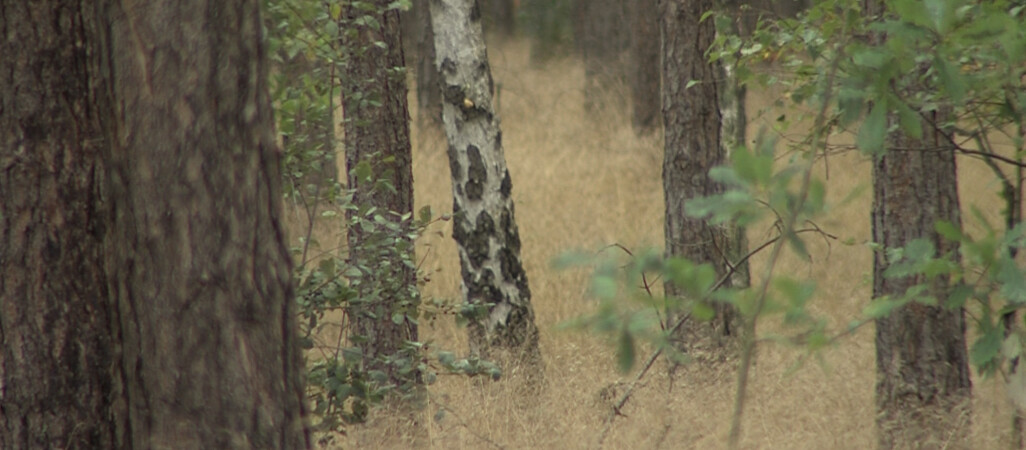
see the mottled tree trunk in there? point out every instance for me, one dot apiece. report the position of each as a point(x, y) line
point(484, 225)
point(923, 388)
point(154, 301)
point(57, 328)
point(694, 144)
point(378, 134)
point(643, 70)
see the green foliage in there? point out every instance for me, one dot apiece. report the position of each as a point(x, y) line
point(305, 39)
point(950, 68)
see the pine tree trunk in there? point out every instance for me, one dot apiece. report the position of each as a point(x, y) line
point(923, 387)
point(692, 124)
point(154, 296)
point(200, 268)
point(644, 66)
point(484, 224)
point(57, 329)
point(378, 134)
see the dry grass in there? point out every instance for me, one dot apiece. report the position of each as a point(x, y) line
point(584, 181)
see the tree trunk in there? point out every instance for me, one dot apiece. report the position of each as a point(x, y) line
point(429, 86)
point(923, 387)
point(694, 144)
point(605, 40)
point(923, 390)
point(378, 135)
point(154, 301)
point(484, 225)
point(501, 17)
point(57, 329)
point(643, 70)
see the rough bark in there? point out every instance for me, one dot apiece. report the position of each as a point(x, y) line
point(378, 134)
point(923, 387)
point(643, 70)
point(693, 138)
point(200, 269)
point(56, 325)
point(162, 190)
point(484, 224)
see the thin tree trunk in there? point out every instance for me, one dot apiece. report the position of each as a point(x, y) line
point(484, 225)
point(378, 134)
point(694, 144)
point(644, 70)
point(429, 87)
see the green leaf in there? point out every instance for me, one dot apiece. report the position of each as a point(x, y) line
point(949, 231)
point(881, 307)
point(987, 347)
point(909, 121)
point(873, 133)
point(702, 311)
point(951, 79)
point(625, 355)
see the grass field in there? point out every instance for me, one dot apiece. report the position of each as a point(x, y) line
point(584, 181)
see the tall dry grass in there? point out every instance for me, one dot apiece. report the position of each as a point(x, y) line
point(583, 181)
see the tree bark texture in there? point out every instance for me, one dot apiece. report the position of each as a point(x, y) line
point(57, 328)
point(484, 224)
point(923, 388)
point(692, 126)
point(643, 70)
point(149, 127)
point(378, 133)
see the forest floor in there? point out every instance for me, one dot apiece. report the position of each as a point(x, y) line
point(583, 181)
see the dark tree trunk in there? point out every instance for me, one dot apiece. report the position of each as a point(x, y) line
point(643, 69)
point(158, 280)
point(57, 329)
point(429, 88)
point(694, 144)
point(500, 16)
point(923, 387)
point(604, 30)
point(378, 134)
point(484, 224)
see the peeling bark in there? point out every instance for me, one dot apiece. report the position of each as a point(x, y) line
point(484, 223)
